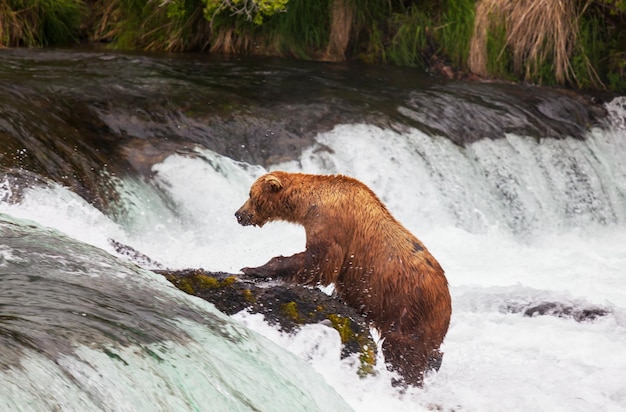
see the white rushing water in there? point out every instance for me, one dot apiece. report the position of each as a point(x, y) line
point(514, 222)
point(82, 330)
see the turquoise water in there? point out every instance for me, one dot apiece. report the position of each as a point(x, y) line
point(516, 222)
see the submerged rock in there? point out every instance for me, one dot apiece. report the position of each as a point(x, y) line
point(580, 312)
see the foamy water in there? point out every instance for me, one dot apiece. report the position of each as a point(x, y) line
point(513, 221)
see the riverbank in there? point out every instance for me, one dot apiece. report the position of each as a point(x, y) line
point(573, 43)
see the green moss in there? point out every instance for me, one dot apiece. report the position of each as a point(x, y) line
point(206, 282)
point(248, 296)
point(342, 325)
point(184, 284)
point(367, 361)
point(367, 352)
point(290, 310)
point(198, 281)
point(228, 281)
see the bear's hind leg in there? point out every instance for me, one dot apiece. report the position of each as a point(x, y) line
point(410, 357)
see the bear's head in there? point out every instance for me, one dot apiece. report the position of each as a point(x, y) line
point(268, 201)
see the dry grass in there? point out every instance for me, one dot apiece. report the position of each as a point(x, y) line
point(150, 27)
point(342, 15)
point(15, 29)
point(537, 32)
point(7, 24)
point(228, 41)
point(105, 17)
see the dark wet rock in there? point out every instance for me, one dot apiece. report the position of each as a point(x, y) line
point(286, 306)
point(133, 255)
point(466, 112)
point(79, 118)
point(283, 305)
point(580, 313)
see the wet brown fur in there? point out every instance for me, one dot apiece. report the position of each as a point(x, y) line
point(376, 264)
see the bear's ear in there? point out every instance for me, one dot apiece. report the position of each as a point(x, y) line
point(273, 183)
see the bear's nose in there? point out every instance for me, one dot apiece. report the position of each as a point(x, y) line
point(243, 217)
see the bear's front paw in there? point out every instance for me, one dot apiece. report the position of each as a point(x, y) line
point(258, 272)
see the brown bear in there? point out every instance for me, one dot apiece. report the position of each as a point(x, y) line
point(376, 265)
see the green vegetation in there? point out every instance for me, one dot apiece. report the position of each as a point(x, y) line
point(40, 22)
point(174, 25)
point(573, 43)
point(454, 30)
point(410, 41)
point(197, 281)
point(254, 11)
point(290, 310)
point(367, 352)
point(303, 30)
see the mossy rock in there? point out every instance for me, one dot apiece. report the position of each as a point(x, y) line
point(285, 305)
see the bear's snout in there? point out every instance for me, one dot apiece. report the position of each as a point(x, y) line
point(244, 218)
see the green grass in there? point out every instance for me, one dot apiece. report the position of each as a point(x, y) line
point(380, 31)
point(499, 62)
point(36, 23)
point(304, 28)
point(409, 44)
point(589, 52)
point(455, 31)
point(153, 25)
point(370, 31)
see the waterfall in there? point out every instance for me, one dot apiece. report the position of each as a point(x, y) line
point(518, 219)
point(82, 330)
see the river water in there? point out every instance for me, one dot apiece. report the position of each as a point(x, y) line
point(519, 191)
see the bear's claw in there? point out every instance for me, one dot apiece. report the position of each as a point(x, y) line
point(253, 272)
